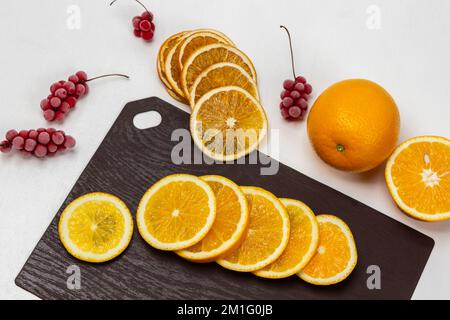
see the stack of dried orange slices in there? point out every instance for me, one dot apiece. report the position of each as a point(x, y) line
point(245, 229)
point(204, 69)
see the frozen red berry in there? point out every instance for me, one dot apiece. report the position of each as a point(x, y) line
point(296, 92)
point(18, 143)
point(30, 144)
point(44, 137)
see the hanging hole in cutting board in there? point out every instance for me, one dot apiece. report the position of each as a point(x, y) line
point(147, 120)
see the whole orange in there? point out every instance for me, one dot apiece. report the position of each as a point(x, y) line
point(354, 125)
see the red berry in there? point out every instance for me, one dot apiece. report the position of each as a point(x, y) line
point(288, 84)
point(136, 20)
point(305, 96)
point(308, 88)
point(137, 33)
point(295, 94)
point(71, 100)
point(152, 27)
point(59, 116)
point(40, 151)
point(33, 134)
point(74, 78)
point(55, 102)
point(65, 107)
point(147, 36)
point(5, 147)
point(300, 79)
point(300, 87)
point(11, 134)
point(301, 103)
point(52, 148)
point(30, 144)
point(145, 25)
point(147, 15)
point(86, 89)
point(70, 87)
point(69, 142)
point(287, 102)
point(58, 138)
point(80, 90)
point(51, 130)
point(44, 137)
point(295, 112)
point(61, 93)
point(285, 113)
point(45, 104)
point(49, 115)
point(23, 133)
point(18, 143)
point(55, 87)
point(82, 76)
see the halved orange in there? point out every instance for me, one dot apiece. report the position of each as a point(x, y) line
point(209, 55)
point(221, 75)
point(232, 218)
point(198, 39)
point(418, 177)
point(228, 123)
point(336, 255)
point(267, 235)
point(176, 212)
point(302, 245)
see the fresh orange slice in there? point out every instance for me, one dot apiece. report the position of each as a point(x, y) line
point(336, 255)
point(302, 245)
point(228, 123)
point(221, 75)
point(96, 227)
point(232, 218)
point(267, 235)
point(172, 62)
point(198, 39)
point(176, 212)
point(418, 177)
point(209, 55)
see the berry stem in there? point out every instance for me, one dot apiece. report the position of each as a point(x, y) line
point(292, 51)
point(109, 75)
point(142, 5)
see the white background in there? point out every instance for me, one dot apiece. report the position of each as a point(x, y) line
point(409, 55)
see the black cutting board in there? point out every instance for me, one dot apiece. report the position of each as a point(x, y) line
point(129, 160)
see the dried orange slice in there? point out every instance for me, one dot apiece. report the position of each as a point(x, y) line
point(198, 39)
point(172, 62)
point(228, 123)
point(209, 55)
point(267, 235)
point(418, 177)
point(166, 46)
point(221, 75)
point(302, 245)
point(176, 212)
point(96, 227)
point(232, 218)
point(336, 255)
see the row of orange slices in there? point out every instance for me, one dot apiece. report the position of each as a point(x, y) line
point(210, 218)
point(245, 229)
point(204, 69)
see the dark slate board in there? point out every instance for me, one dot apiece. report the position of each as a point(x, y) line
point(130, 160)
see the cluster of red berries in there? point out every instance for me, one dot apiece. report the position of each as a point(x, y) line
point(294, 97)
point(39, 143)
point(64, 96)
point(143, 26)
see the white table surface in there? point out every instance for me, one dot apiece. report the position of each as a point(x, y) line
point(409, 54)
